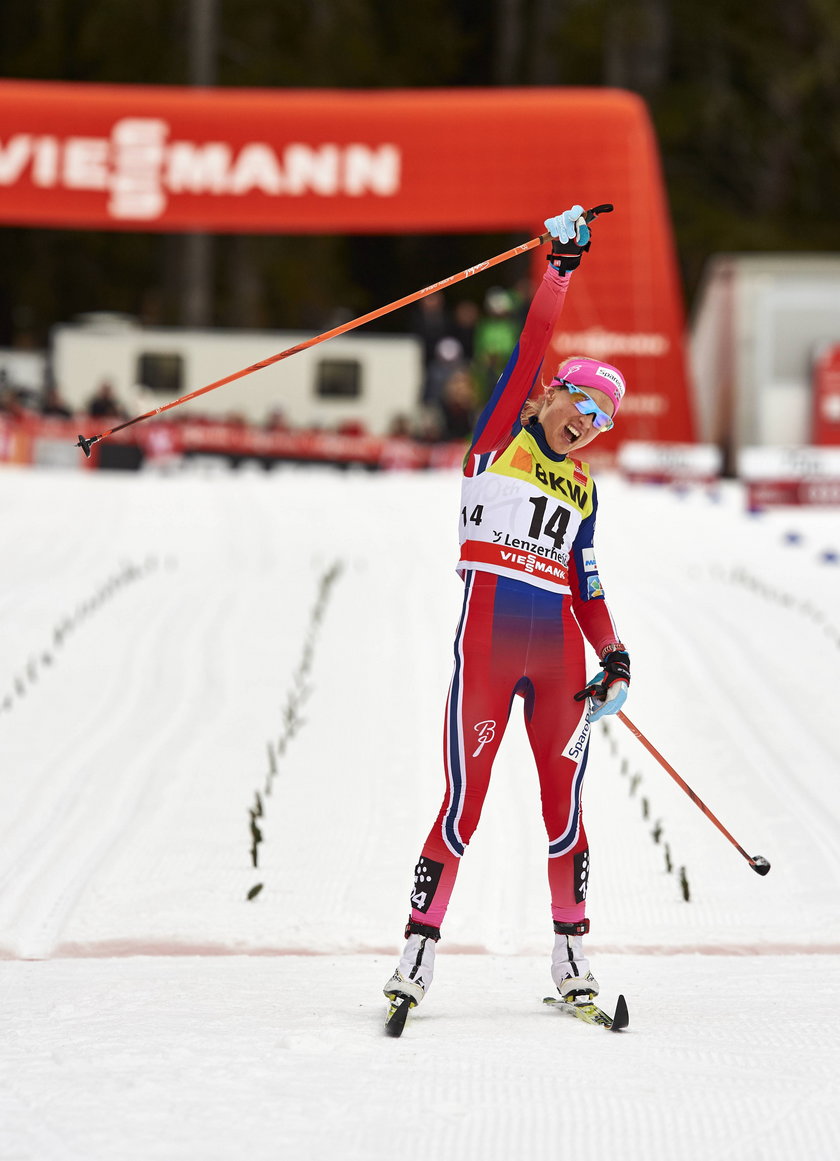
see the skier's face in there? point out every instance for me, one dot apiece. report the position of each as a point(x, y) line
point(566, 429)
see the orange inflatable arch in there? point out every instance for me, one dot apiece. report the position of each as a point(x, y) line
point(402, 161)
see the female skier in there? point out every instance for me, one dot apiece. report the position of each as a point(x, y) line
point(531, 584)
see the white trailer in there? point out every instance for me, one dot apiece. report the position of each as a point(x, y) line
point(370, 380)
point(759, 326)
point(23, 370)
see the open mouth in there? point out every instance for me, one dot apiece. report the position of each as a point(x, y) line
point(571, 433)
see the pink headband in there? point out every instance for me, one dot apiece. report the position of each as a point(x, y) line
point(591, 373)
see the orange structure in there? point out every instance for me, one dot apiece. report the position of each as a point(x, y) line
point(399, 161)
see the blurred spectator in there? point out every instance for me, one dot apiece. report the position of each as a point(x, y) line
point(431, 324)
point(464, 321)
point(13, 400)
point(103, 403)
point(54, 405)
point(277, 421)
point(400, 428)
point(458, 406)
point(427, 425)
point(522, 293)
point(496, 334)
point(448, 357)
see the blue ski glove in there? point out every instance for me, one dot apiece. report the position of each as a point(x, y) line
point(571, 224)
point(569, 238)
point(607, 691)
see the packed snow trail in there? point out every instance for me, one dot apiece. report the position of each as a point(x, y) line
point(153, 632)
point(221, 1058)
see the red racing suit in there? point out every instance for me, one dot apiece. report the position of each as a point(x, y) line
point(527, 526)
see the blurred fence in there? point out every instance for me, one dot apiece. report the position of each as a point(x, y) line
point(49, 442)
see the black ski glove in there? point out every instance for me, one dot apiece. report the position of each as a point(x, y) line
point(608, 689)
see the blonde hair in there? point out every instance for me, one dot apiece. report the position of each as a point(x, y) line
point(534, 405)
point(532, 409)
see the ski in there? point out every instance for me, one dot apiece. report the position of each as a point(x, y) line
point(397, 1013)
point(584, 1010)
point(591, 1014)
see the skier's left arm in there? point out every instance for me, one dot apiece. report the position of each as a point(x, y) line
point(607, 690)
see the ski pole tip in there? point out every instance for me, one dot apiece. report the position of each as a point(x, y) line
point(759, 864)
point(85, 444)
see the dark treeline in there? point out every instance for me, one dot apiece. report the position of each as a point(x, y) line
point(745, 100)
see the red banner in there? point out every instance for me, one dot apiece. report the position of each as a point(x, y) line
point(43, 441)
point(827, 396)
point(325, 161)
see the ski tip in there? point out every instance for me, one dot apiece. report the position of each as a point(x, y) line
point(621, 1018)
point(397, 1014)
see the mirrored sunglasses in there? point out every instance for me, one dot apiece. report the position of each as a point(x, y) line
point(586, 405)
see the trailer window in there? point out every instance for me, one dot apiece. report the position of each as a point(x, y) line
point(338, 379)
point(160, 372)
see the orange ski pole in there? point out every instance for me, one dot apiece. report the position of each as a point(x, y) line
point(86, 443)
point(758, 863)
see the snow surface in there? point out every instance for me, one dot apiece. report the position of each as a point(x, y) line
point(180, 653)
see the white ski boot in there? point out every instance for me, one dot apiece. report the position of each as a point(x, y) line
point(569, 966)
point(413, 976)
